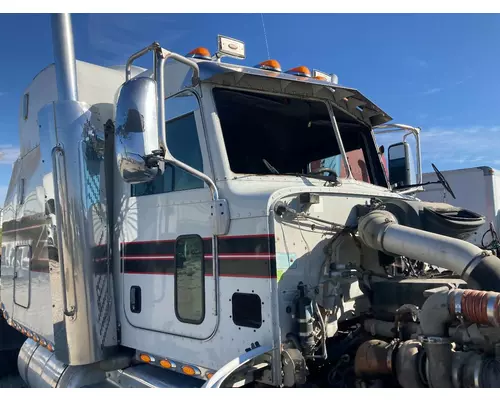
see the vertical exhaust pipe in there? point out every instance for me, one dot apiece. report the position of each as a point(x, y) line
point(64, 57)
point(81, 282)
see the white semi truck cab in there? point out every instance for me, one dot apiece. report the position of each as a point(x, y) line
point(205, 224)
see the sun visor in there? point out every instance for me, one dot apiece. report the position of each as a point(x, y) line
point(273, 81)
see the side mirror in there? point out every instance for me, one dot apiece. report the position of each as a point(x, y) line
point(136, 130)
point(400, 164)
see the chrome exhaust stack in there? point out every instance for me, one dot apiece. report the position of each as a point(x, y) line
point(64, 57)
point(81, 284)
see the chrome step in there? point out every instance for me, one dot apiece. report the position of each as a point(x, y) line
point(148, 376)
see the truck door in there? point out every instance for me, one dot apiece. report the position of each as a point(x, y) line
point(166, 257)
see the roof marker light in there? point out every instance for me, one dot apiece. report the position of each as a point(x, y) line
point(199, 52)
point(145, 358)
point(270, 65)
point(50, 347)
point(300, 71)
point(167, 364)
point(188, 370)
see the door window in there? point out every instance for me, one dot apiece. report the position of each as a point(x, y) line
point(182, 140)
point(189, 279)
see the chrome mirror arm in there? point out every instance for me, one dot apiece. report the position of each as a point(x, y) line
point(128, 66)
point(410, 130)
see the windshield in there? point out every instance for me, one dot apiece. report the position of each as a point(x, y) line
point(293, 136)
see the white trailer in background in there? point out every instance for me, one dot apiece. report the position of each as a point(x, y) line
point(475, 189)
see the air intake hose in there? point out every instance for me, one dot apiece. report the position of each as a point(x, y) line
point(380, 230)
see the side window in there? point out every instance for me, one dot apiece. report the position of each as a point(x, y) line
point(189, 279)
point(182, 113)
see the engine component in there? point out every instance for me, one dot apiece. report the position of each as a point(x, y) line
point(388, 295)
point(377, 359)
point(428, 362)
point(474, 370)
point(373, 359)
point(443, 305)
point(438, 352)
point(408, 364)
point(483, 337)
point(294, 368)
point(490, 374)
point(379, 229)
point(440, 218)
point(379, 328)
point(444, 369)
point(433, 360)
point(340, 374)
point(476, 306)
point(387, 329)
point(305, 317)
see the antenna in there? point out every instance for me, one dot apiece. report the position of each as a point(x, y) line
point(265, 36)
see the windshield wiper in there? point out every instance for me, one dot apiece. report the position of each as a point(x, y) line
point(270, 167)
point(326, 178)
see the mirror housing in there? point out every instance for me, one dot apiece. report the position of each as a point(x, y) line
point(136, 130)
point(399, 163)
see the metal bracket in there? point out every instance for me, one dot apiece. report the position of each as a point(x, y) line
point(221, 217)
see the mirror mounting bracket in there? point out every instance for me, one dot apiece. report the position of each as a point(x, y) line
point(152, 160)
point(220, 209)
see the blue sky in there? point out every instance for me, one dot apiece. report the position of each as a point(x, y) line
point(435, 71)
